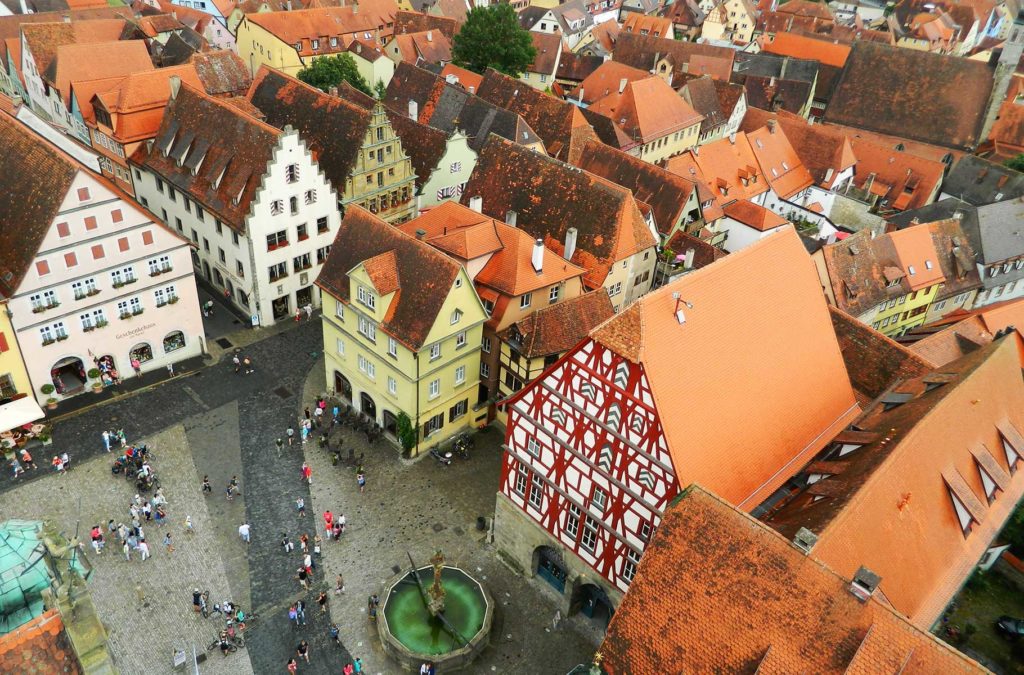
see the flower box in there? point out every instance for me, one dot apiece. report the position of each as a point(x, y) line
point(48, 342)
point(171, 300)
point(136, 312)
point(102, 323)
point(93, 292)
point(61, 338)
point(125, 316)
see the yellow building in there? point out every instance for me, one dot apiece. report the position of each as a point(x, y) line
point(402, 330)
point(730, 20)
point(13, 376)
point(290, 41)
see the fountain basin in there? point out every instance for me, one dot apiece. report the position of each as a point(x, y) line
point(411, 636)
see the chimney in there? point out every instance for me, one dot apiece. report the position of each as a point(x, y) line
point(477, 204)
point(688, 259)
point(828, 174)
point(864, 584)
point(581, 95)
point(414, 110)
point(420, 234)
point(771, 126)
point(696, 150)
point(805, 540)
point(570, 243)
point(958, 215)
point(430, 36)
point(511, 217)
point(174, 14)
point(771, 81)
point(288, 5)
point(332, 90)
point(355, 7)
point(537, 259)
point(175, 82)
point(732, 138)
point(622, 85)
point(67, 18)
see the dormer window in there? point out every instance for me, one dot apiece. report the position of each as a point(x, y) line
point(1011, 450)
point(456, 316)
point(316, 44)
point(334, 42)
point(366, 297)
point(988, 484)
point(963, 515)
point(928, 264)
point(298, 46)
point(912, 270)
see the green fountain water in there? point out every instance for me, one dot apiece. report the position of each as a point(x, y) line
point(412, 624)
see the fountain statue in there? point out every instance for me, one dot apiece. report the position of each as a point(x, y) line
point(436, 592)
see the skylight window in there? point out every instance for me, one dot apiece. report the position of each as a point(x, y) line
point(912, 270)
point(928, 264)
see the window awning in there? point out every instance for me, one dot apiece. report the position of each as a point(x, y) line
point(19, 412)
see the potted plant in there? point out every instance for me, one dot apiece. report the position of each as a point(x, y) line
point(171, 300)
point(97, 384)
point(101, 323)
point(45, 437)
point(125, 316)
point(136, 312)
point(48, 389)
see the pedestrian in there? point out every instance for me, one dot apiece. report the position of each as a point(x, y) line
point(26, 460)
point(304, 542)
point(286, 543)
point(16, 467)
point(298, 314)
point(122, 438)
point(280, 446)
point(126, 549)
point(357, 665)
point(335, 634)
point(106, 440)
point(57, 464)
point(291, 435)
point(188, 525)
point(305, 431)
point(324, 442)
point(302, 576)
point(143, 549)
point(306, 412)
point(307, 563)
point(65, 460)
point(348, 669)
point(293, 666)
point(136, 366)
point(238, 364)
point(207, 488)
point(361, 480)
point(339, 584)
point(318, 414)
point(111, 528)
point(243, 531)
point(307, 474)
point(300, 505)
point(322, 601)
point(316, 547)
point(303, 650)
point(336, 531)
point(425, 668)
point(97, 539)
point(341, 523)
point(300, 607)
point(147, 511)
point(170, 370)
point(293, 614)
point(122, 532)
point(133, 541)
point(309, 311)
point(248, 365)
point(168, 544)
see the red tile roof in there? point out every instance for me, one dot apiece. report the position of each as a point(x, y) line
point(415, 22)
point(44, 39)
point(754, 215)
point(222, 72)
point(558, 328)
point(805, 47)
point(718, 592)
point(728, 165)
point(900, 482)
point(302, 26)
point(795, 359)
point(467, 79)
point(647, 109)
point(687, 58)
point(780, 163)
point(890, 173)
point(40, 647)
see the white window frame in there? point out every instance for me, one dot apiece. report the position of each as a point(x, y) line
point(460, 340)
point(435, 351)
point(340, 347)
point(533, 447)
point(524, 300)
point(392, 347)
point(434, 388)
point(366, 297)
point(460, 375)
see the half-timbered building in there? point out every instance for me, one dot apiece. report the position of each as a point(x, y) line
point(730, 377)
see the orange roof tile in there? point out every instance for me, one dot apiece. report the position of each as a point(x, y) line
point(383, 272)
point(718, 592)
point(893, 170)
point(918, 257)
point(136, 102)
point(900, 483)
point(795, 359)
point(725, 165)
point(469, 80)
point(779, 162)
point(96, 61)
point(804, 47)
point(645, 24)
point(754, 215)
point(647, 109)
point(954, 341)
point(302, 26)
point(44, 39)
point(606, 79)
point(560, 327)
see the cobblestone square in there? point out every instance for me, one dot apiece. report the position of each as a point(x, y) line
point(221, 424)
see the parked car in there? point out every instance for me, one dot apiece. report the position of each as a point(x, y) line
point(1010, 627)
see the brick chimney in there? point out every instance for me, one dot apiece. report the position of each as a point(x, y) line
point(537, 259)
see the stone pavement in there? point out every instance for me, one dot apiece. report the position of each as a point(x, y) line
point(143, 634)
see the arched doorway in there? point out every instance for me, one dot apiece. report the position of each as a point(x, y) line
point(68, 375)
point(141, 352)
point(592, 601)
point(279, 308)
point(390, 423)
point(549, 565)
point(174, 341)
point(342, 387)
point(108, 370)
point(367, 406)
point(206, 269)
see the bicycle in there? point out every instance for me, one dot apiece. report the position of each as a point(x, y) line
point(230, 646)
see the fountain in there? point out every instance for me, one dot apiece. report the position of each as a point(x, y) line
point(446, 623)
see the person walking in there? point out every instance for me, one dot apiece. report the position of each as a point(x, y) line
point(243, 531)
point(357, 665)
point(304, 543)
point(280, 446)
point(341, 523)
point(303, 650)
point(247, 362)
point(339, 584)
point(238, 364)
point(143, 549)
point(322, 601)
point(286, 543)
point(293, 666)
point(206, 487)
point(136, 366)
point(318, 415)
point(301, 576)
point(27, 461)
point(361, 480)
point(290, 433)
point(65, 459)
point(168, 543)
point(307, 474)
point(300, 505)
point(300, 608)
point(334, 633)
point(106, 440)
point(293, 615)
point(309, 311)
point(188, 525)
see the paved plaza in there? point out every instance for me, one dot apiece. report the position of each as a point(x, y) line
point(218, 423)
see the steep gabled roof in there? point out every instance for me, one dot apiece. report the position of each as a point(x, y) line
point(780, 163)
point(421, 276)
point(136, 102)
point(415, 22)
point(37, 177)
point(222, 72)
point(97, 61)
point(754, 215)
point(44, 39)
point(905, 180)
point(332, 128)
point(647, 109)
point(424, 145)
point(550, 196)
point(927, 97)
point(689, 58)
point(665, 192)
point(930, 435)
point(230, 150)
point(560, 327)
point(719, 592)
point(979, 181)
point(606, 79)
point(823, 150)
point(794, 360)
point(728, 165)
point(552, 119)
point(302, 26)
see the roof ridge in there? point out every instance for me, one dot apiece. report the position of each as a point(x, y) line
point(234, 110)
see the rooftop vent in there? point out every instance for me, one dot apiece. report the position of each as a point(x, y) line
point(477, 204)
point(420, 233)
point(537, 259)
point(864, 584)
point(805, 540)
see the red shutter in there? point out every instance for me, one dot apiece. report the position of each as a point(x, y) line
point(3, 343)
point(83, 194)
point(122, 244)
point(42, 267)
point(97, 251)
point(90, 223)
point(63, 230)
point(70, 259)
point(116, 216)
point(147, 237)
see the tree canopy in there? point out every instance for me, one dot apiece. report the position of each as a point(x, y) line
point(330, 71)
point(1016, 163)
point(492, 38)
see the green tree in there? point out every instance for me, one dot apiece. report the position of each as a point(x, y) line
point(492, 38)
point(380, 90)
point(330, 71)
point(1016, 163)
point(406, 432)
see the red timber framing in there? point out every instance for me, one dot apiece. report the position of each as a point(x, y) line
point(587, 460)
